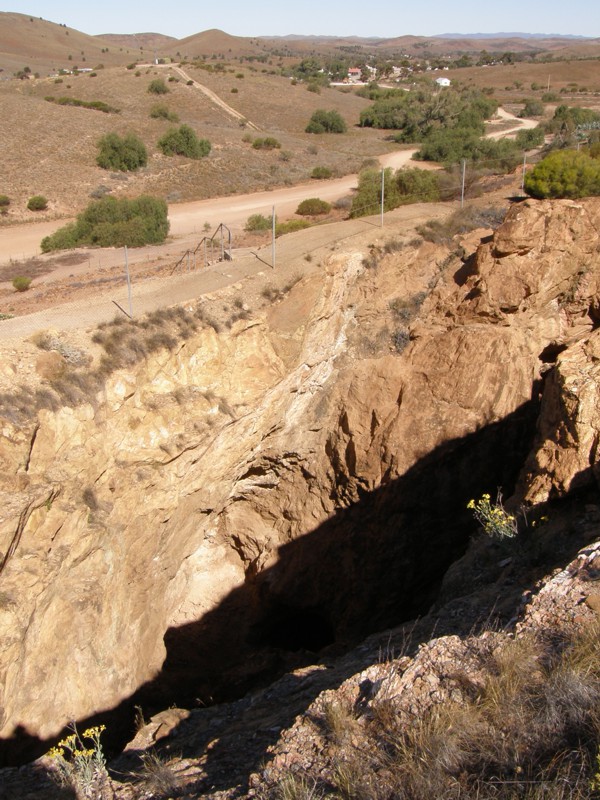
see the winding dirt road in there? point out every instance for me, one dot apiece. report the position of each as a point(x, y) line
point(188, 219)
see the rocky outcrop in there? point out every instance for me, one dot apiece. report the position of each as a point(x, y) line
point(269, 490)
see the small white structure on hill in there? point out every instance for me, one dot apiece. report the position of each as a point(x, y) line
point(443, 81)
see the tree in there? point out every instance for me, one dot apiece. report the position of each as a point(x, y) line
point(326, 122)
point(158, 86)
point(532, 108)
point(529, 138)
point(124, 154)
point(564, 173)
point(183, 141)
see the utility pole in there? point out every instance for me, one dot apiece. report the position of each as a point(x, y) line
point(273, 239)
point(382, 193)
point(128, 284)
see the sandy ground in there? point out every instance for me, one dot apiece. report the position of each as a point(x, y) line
point(85, 287)
point(187, 219)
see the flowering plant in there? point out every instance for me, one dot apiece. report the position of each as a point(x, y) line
point(492, 517)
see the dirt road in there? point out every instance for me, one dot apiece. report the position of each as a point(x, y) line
point(187, 219)
point(23, 241)
point(297, 254)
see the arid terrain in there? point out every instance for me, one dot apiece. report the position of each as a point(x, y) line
point(308, 519)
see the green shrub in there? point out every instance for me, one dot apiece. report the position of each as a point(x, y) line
point(112, 222)
point(321, 173)
point(4, 200)
point(124, 154)
point(183, 141)
point(564, 173)
point(451, 145)
point(94, 105)
point(291, 226)
point(532, 108)
point(37, 203)
point(268, 143)
point(160, 111)
point(420, 112)
point(313, 206)
point(417, 186)
point(326, 122)
point(528, 139)
point(21, 283)
point(400, 188)
point(158, 86)
point(258, 222)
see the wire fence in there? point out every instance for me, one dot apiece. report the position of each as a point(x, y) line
point(107, 271)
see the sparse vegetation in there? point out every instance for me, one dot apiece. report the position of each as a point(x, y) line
point(521, 722)
point(291, 226)
point(321, 173)
point(80, 763)
point(400, 187)
point(326, 122)
point(158, 86)
point(94, 105)
point(258, 222)
point(313, 206)
point(183, 141)
point(21, 283)
point(161, 111)
point(462, 221)
point(158, 776)
point(267, 143)
point(121, 153)
point(112, 222)
point(37, 203)
point(493, 519)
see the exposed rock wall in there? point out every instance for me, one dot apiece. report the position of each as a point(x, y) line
point(296, 473)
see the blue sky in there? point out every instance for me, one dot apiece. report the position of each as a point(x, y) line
point(383, 18)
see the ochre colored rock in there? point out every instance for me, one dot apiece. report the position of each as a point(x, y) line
point(295, 471)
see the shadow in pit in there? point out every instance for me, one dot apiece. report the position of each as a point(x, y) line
point(371, 566)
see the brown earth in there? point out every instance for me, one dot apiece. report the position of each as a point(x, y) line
point(380, 387)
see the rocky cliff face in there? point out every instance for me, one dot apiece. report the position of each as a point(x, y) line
point(298, 480)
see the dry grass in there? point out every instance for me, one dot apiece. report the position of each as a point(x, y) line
point(157, 776)
point(39, 158)
point(123, 342)
point(462, 221)
point(528, 727)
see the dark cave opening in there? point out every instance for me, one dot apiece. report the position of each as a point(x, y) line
point(374, 564)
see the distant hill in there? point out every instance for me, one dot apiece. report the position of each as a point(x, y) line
point(509, 36)
point(45, 46)
point(138, 41)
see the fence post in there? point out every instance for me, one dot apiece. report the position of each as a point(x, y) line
point(273, 239)
point(462, 188)
point(382, 192)
point(128, 284)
